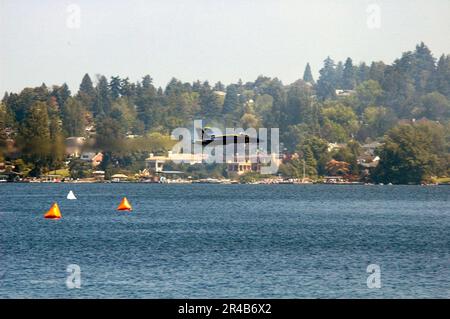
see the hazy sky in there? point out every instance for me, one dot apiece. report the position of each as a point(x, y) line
point(41, 41)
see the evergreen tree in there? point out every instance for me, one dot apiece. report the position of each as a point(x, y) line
point(231, 102)
point(376, 71)
point(57, 148)
point(61, 93)
point(3, 127)
point(209, 102)
point(126, 88)
point(310, 161)
point(423, 68)
point(219, 87)
point(86, 93)
point(363, 73)
point(147, 82)
point(339, 75)
point(115, 87)
point(102, 103)
point(307, 74)
point(35, 137)
point(147, 102)
point(326, 85)
point(441, 77)
point(348, 75)
point(298, 105)
point(72, 114)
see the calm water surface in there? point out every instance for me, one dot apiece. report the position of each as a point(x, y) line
point(225, 241)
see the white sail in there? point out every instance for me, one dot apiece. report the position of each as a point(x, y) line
point(71, 195)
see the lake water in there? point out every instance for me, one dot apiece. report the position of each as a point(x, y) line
point(225, 241)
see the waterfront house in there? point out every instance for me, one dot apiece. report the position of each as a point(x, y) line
point(119, 178)
point(342, 93)
point(93, 157)
point(156, 163)
point(241, 164)
point(99, 175)
point(334, 180)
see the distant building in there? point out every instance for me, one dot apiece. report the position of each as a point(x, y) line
point(99, 175)
point(156, 163)
point(220, 93)
point(368, 159)
point(335, 146)
point(340, 93)
point(370, 147)
point(334, 180)
point(93, 157)
point(119, 178)
point(241, 164)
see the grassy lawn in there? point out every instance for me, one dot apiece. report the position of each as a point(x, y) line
point(442, 180)
point(64, 172)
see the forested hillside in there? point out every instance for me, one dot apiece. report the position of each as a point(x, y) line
point(405, 105)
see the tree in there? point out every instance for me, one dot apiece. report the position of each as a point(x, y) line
point(72, 114)
point(339, 121)
point(147, 82)
point(61, 93)
point(376, 121)
point(110, 132)
point(441, 77)
point(368, 93)
point(410, 154)
point(435, 106)
point(307, 75)
point(423, 68)
point(339, 73)
point(376, 71)
point(310, 161)
point(127, 89)
point(348, 75)
point(35, 137)
point(115, 85)
point(102, 103)
point(362, 73)
point(86, 93)
point(274, 88)
point(78, 169)
point(219, 86)
point(209, 102)
point(349, 154)
point(148, 102)
point(337, 168)
point(57, 148)
point(3, 126)
point(298, 107)
point(326, 85)
point(231, 102)
point(319, 148)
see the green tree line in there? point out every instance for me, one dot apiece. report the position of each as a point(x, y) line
point(348, 103)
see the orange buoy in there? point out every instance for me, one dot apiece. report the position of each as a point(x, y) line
point(54, 212)
point(125, 205)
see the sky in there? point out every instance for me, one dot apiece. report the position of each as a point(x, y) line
point(57, 41)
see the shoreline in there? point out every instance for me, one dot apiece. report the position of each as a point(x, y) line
point(219, 183)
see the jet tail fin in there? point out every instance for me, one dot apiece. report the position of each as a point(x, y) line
point(200, 133)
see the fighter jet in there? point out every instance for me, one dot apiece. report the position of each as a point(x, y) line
point(207, 138)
